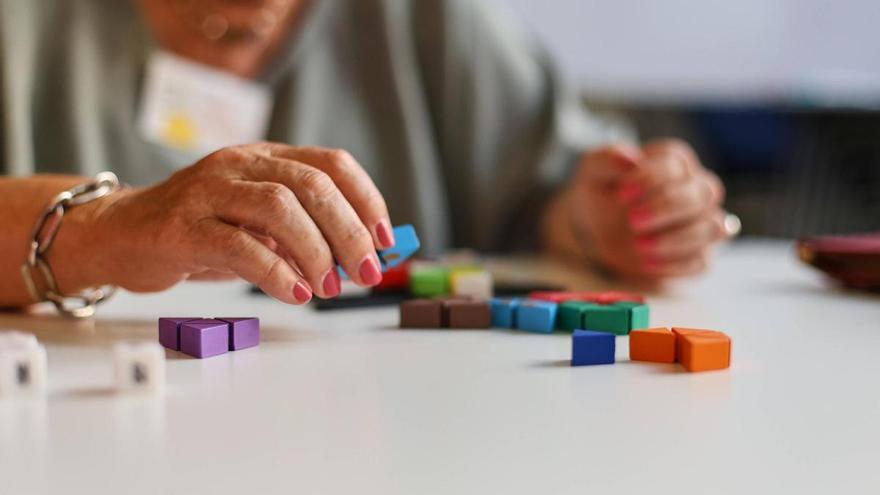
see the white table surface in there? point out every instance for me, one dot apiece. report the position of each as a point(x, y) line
point(344, 402)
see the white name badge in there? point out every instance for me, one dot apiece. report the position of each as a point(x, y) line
point(191, 107)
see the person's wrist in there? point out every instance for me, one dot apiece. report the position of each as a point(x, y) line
point(84, 253)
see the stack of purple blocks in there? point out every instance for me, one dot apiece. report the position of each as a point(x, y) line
point(202, 337)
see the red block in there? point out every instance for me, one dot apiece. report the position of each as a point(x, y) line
point(394, 279)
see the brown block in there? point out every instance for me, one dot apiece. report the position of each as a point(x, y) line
point(702, 350)
point(468, 314)
point(421, 313)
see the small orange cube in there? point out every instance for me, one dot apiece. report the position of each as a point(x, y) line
point(702, 350)
point(656, 345)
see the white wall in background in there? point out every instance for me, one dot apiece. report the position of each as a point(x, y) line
point(808, 51)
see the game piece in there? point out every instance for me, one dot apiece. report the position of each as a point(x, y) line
point(552, 296)
point(656, 345)
point(611, 319)
point(611, 297)
point(536, 316)
point(169, 331)
point(395, 279)
point(473, 283)
point(406, 243)
point(504, 312)
point(639, 314)
point(243, 332)
point(702, 350)
point(428, 280)
point(22, 365)
point(139, 366)
point(589, 348)
point(570, 314)
point(204, 338)
point(421, 313)
point(467, 314)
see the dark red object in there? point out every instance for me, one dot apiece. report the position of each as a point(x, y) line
point(853, 260)
point(394, 279)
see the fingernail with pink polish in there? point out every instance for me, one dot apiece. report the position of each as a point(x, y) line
point(646, 244)
point(369, 271)
point(302, 293)
point(639, 218)
point(384, 234)
point(332, 284)
point(629, 192)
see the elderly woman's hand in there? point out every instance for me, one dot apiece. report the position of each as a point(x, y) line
point(649, 213)
point(278, 216)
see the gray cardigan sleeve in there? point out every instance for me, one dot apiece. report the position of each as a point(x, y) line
point(508, 130)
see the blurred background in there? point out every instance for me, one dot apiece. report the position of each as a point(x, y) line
point(780, 97)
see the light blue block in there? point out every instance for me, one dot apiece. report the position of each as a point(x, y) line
point(536, 316)
point(406, 243)
point(504, 312)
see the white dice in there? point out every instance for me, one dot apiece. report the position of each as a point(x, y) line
point(471, 283)
point(139, 367)
point(22, 364)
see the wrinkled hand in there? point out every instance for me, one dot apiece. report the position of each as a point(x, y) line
point(647, 213)
point(278, 216)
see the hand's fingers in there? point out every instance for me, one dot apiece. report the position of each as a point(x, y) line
point(682, 241)
point(274, 209)
point(224, 247)
point(682, 267)
point(354, 183)
point(348, 237)
point(212, 276)
point(606, 166)
point(675, 203)
point(664, 162)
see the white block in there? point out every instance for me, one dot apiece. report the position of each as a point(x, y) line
point(19, 338)
point(22, 365)
point(139, 366)
point(472, 283)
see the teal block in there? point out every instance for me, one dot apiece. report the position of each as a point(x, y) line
point(610, 319)
point(536, 316)
point(570, 314)
point(504, 312)
point(639, 315)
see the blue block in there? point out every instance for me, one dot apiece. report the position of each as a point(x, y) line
point(406, 243)
point(536, 316)
point(504, 312)
point(589, 347)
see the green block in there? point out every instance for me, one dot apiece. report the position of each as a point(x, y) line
point(570, 315)
point(639, 314)
point(609, 319)
point(429, 282)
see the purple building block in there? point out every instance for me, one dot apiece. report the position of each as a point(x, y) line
point(243, 332)
point(204, 338)
point(169, 331)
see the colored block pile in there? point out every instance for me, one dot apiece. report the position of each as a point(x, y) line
point(542, 312)
point(204, 337)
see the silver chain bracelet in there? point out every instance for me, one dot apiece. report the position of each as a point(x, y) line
point(80, 305)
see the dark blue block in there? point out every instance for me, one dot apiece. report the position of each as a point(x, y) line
point(589, 347)
point(504, 312)
point(536, 316)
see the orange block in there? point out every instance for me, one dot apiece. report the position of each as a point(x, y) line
point(702, 350)
point(656, 345)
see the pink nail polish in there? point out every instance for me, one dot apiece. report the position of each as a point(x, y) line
point(629, 192)
point(332, 284)
point(384, 234)
point(645, 244)
point(302, 293)
point(639, 218)
point(369, 271)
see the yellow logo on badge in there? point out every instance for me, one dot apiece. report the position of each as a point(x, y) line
point(180, 131)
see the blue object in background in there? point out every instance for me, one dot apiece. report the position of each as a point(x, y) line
point(536, 316)
point(406, 243)
point(504, 312)
point(589, 347)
